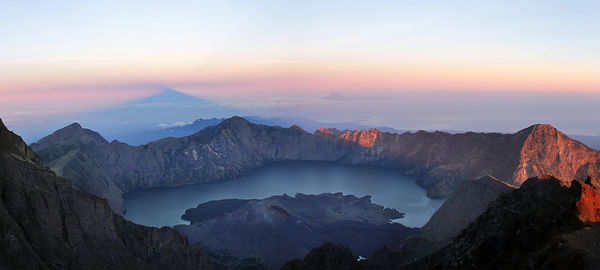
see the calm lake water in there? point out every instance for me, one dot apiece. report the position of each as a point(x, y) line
point(390, 188)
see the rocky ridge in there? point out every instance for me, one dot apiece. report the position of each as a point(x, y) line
point(46, 224)
point(440, 161)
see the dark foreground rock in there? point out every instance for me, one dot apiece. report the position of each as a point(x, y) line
point(280, 228)
point(46, 224)
point(326, 257)
point(546, 224)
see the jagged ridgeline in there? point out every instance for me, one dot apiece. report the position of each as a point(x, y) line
point(46, 224)
point(440, 161)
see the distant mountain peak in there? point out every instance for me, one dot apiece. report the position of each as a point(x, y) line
point(73, 126)
point(171, 91)
point(197, 121)
point(543, 126)
point(77, 128)
point(538, 127)
point(236, 118)
point(336, 97)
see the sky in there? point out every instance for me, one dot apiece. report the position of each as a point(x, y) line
point(61, 57)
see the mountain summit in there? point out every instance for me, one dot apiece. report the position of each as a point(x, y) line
point(72, 132)
point(549, 151)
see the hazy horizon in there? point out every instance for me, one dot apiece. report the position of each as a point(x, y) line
point(505, 112)
point(466, 65)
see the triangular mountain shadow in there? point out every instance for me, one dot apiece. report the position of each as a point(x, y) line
point(169, 96)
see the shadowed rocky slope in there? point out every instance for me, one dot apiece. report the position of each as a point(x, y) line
point(440, 161)
point(465, 205)
point(46, 224)
point(326, 257)
point(547, 223)
point(280, 228)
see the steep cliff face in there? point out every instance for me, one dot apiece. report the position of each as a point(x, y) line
point(440, 161)
point(363, 138)
point(46, 224)
point(549, 151)
point(541, 225)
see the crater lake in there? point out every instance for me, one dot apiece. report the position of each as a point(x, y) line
point(388, 187)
